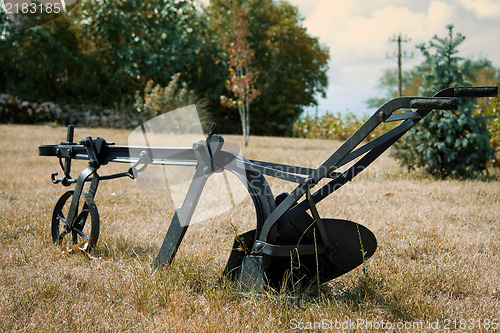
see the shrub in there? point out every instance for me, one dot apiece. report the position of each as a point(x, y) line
point(157, 100)
point(492, 115)
point(334, 126)
point(447, 143)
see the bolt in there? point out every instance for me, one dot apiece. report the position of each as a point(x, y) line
point(258, 246)
point(332, 250)
point(206, 170)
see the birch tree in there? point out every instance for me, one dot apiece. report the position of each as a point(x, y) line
point(241, 80)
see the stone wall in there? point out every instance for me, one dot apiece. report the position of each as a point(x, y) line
point(14, 110)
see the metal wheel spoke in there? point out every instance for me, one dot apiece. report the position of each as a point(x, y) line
point(60, 215)
point(86, 217)
point(81, 217)
point(82, 234)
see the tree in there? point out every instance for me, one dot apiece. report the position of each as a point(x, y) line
point(241, 80)
point(102, 52)
point(447, 143)
point(292, 65)
point(5, 32)
point(40, 62)
point(136, 41)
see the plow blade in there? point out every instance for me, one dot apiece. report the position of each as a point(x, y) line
point(297, 256)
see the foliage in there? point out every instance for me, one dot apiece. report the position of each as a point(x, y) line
point(136, 41)
point(103, 52)
point(5, 31)
point(241, 80)
point(490, 108)
point(446, 143)
point(492, 115)
point(334, 126)
point(41, 62)
point(292, 65)
point(158, 100)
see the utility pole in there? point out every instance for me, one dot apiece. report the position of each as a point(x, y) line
point(400, 55)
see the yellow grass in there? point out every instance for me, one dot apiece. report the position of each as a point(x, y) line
point(437, 260)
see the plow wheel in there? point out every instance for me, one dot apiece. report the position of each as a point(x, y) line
point(86, 222)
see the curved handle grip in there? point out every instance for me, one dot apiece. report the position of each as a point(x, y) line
point(475, 91)
point(438, 103)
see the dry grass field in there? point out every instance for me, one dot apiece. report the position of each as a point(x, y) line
point(436, 267)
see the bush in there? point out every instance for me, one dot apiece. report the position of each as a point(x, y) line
point(334, 126)
point(447, 143)
point(492, 115)
point(157, 100)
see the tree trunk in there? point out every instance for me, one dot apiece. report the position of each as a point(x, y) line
point(247, 123)
point(244, 125)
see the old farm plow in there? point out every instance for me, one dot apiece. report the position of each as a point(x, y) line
point(288, 225)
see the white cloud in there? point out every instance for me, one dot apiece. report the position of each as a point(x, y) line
point(354, 36)
point(483, 8)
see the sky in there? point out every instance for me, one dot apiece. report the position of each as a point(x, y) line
point(357, 33)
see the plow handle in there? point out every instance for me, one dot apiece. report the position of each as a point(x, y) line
point(438, 103)
point(475, 91)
